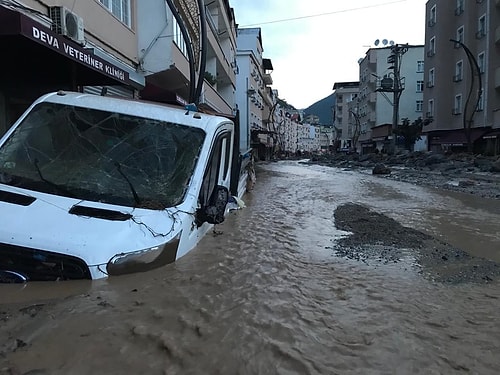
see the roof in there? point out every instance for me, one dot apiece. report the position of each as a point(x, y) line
point(339, 85)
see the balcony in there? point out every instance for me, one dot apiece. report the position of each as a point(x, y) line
point(456, 111)
point(431, 22)
point(268, 80)
point(459, 10)
point(480, 34)
point(457, 77)
point(431, 53)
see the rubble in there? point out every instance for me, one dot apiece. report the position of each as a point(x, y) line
point(472, 174)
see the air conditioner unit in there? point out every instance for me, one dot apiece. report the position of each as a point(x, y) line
point(67, 23)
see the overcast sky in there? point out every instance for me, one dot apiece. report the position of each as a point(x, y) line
point(315, 43)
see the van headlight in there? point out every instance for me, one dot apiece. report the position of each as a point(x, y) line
point(145, 259)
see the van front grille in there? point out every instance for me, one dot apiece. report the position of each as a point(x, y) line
point(41, 265)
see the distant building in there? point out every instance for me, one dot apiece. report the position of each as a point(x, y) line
point(254, 96)
point(451, 96)
point(375, 99)
point(344, 93)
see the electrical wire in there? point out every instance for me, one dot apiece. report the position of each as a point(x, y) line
point(322, 14)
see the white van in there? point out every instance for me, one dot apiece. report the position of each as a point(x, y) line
point(92, 186)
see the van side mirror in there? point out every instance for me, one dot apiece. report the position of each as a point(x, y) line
point(213, 212)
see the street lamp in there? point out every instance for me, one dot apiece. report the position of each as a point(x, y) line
point(474, 67)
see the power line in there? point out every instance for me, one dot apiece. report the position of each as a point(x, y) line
point(324, 14)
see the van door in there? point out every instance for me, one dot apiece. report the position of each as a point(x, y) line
point(216, 178)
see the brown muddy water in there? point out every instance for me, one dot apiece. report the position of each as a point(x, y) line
point(267, 296)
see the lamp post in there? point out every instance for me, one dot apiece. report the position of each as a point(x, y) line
point(474, 67)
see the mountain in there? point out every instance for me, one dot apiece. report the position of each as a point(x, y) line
point(322, 109)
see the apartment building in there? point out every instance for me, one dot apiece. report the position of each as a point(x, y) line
point(462, 75)
point(287, 131)
point(50, 45)
point(344, 94)
point(254, 97)
point(164, 58)
point(375, 102)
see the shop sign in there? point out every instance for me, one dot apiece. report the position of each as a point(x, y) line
point(66, 47)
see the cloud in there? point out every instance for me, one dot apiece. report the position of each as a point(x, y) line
point(315, 43)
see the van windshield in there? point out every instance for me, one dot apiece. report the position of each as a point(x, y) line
point(101, 156)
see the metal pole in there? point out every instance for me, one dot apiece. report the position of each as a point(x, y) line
point(473, 66)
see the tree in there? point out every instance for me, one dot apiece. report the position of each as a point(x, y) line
point(409, 132)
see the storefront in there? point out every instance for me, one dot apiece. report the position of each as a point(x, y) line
point(36, 60)
point(381, 137)
point(456, 140)
point(492, 140)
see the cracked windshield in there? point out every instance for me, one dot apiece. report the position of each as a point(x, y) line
point(101, 156)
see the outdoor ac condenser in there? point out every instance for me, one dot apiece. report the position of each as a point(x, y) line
point(67, 23)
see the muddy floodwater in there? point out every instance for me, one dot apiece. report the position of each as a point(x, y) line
point(266, 294)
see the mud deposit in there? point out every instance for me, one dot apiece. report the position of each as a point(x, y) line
point(377, 238)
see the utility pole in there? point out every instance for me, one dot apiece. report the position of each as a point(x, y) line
point(394, 83)
point(395, 58)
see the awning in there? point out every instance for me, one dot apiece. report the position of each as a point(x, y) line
point(380, 132)
point(31, 52)
point(455, 137)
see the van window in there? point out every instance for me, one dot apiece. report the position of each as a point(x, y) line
point(217, 168)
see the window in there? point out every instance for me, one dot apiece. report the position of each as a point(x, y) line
point(432, 16)
point(457, 108)
point(481, 61)
point(420, 66)
point(480, 103)
point(119, 8)
point(432, 47)
point(459, 71)
point(419, 107)
point(178, 39)
point(460, 35)
point(481, 27)
point(430, 82)
point(460, 7)
point(430, 108)
point(420, 86)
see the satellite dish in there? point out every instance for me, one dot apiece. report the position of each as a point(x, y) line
point(384, 42)
point(391, 42)
point(376, 42)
